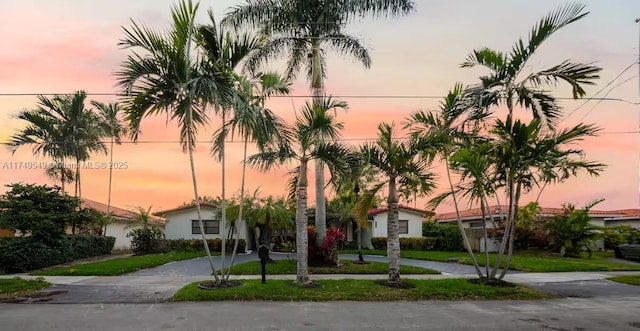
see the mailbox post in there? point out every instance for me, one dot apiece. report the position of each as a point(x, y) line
point(263, 254)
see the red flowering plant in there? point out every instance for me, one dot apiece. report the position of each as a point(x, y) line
point(329, 247)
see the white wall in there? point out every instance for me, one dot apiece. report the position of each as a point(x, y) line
point(178, 224)
point(379, 226)
point(117, 230)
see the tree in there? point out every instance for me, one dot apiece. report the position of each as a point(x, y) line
point(169, 78)
point(572, 231)
point(313, 121)
point(252, 120)
point(113, 128)
point(304, 29)
point(142, 218)
point(226, 51)
point(399, 162)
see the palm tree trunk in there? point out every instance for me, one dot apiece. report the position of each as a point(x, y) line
point(239, 221)
point(393, 236)
point(223, 203)
point(513, 230)
point(459, 219)
point(317, 90)
point(302, 239)
point(485, 236)
point(110, 177)
point(195, 192)
point(507, 227)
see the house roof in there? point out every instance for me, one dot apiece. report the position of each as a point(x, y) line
point(476, 213)
point(184, 207)
point(376, 211)
point(116, 212)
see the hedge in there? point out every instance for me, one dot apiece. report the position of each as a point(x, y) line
point(22, 254)
point(215, 245)
point(417, 244)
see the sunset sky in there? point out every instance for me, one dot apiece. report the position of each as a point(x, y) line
point(67, 45)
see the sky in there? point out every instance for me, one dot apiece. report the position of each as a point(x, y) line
point(70, 45)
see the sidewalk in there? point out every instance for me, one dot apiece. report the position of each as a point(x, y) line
point(523, 278)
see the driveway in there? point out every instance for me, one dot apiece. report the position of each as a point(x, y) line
point(200, 266)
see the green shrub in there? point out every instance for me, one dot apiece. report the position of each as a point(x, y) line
point(148, 241)
point(449, 238)
point(430, 229)
point(23, 254)
point(414, 244)
point(195, 245)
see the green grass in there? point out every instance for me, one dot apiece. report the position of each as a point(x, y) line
point(288, 267)
point(17, 287)
point(631, 280)
point(357, 290)
point(121, 266)
point(529, 261)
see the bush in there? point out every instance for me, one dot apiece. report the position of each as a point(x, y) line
point(414, 244)
point(22, 254)
point(449, 238)
point(430, 229)
point(148, 241)
point(195, 245)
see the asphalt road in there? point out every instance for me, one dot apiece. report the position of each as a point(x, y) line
point(612, 313)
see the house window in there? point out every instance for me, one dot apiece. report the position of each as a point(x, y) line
point(210, 227)
point(404, 227)
point(475, 224)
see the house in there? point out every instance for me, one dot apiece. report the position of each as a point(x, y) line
point(472, 221)
point(182, 222)
point(409, 219)
point(120, 226)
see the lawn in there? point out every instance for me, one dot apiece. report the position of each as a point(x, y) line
point(357, 290)
point(631, 280)
point(121, 266)
point(288, 267)
point(17, 287)
point(529, 261)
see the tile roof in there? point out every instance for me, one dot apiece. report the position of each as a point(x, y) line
point(185, 207)
point(120, 213)
point(376, 211)
point(477, 213)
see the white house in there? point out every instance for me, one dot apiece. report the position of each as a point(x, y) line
point(182, 222)
point(121, 221)
point(409, 219)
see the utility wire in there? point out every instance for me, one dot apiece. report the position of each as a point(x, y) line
point(600, 91)
point(610, 90)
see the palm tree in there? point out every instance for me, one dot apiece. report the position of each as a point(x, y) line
point(253, 121)
point(58, 171)
point(113, 128)
point(508, 84)
point(399, 161)
point(169, 78)
point(225, 51)
point(304, 30)
point(313, 121)
point(443, 132)
point(142, 218)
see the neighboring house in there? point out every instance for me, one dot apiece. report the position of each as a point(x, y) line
point(472, 221)
point(182, 222)
point(122, 219)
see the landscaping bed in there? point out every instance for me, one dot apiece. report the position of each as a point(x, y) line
point(121, 266)
point(631, 280)
point(11, 287)
point(357, 290)
point(288, 267)
point(528, 261)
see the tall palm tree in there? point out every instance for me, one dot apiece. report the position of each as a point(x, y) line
point(443, 132)
point(169, 77)
point(313, 121)
point(115, 129)
point(225, 51)
point(508, 84)
point(253, 121)
point(398, 161)
point(142, 218)
point(304, 30)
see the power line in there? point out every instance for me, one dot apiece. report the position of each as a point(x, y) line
point(600, 91)
point(355, 96)
point(610, 90)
